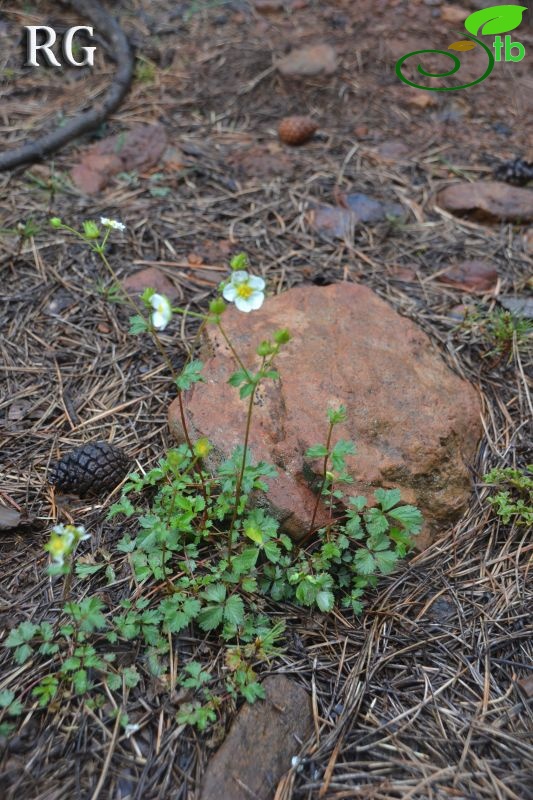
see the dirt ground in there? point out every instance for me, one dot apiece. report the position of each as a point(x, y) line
point(420, 697)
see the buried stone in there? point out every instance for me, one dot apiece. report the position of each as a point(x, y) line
point(415, 423)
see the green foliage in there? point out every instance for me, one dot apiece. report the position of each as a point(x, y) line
point(201, 554)
point(501, 331)
point(514, 501)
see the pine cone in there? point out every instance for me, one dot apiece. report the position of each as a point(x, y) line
point(296, 130)
point(518, 172)
point(90, 469)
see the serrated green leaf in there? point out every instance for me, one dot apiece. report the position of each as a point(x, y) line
point(114, 681)
point(342, 449)
point(358, 502)
point(238, 377)
point(138, 325)
point(376, 521)
point(317, 451)
point(386, 560)
point(272, 552)
point(131, 677)
point(365, 562)
point(215, 593)
point(234, 610)
point(410, 517)
point(246, 390)
point(336, 415)
point(80, 681)
point(210, 618)
point(387, 498)
point(325, 601)
point(190, 374)
point(245, 561)
point(84, 570)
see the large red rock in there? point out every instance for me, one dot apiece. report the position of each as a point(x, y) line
point(415, 423)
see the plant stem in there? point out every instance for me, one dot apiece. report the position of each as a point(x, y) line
point(324, 480)
point(162, 351)
point(233, 351)
point(238, 487)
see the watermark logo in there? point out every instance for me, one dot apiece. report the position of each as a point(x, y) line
point(486, 22)
point(67, 47)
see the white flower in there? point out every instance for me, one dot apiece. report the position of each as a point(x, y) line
point(112, 223)
point(246, 291)
point(162, 311)
point(130, 729)
point(64, 540)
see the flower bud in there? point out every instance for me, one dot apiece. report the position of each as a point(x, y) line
point(90, 230)
point(55, 222)
point(282, 336)
point(202, 447)
point(217, 306)
point(239, 261)
point(265, 349)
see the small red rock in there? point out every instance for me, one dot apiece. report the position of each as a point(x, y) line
point(489, 201)
point(305, 62)
point(150, 278)
point(296, 130)
point(471, 276)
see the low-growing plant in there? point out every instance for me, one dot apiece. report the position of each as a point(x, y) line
point(501, 331)
point(514, 500)
point(201, 552)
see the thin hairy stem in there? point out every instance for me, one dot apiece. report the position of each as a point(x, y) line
point(324, 481)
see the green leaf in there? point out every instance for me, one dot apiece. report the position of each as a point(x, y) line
point(410, 517)
point(498, 19)
point(6, 698)
point(114, 681)
point(376, 521)
point(353, 527)
point(342, 449)
point(253, 533)
point(234, 610)
point(325, 601)
point(272, 552)
point(386, 561)
point(138, 325)
point(23, 653)
point(84, 570)
point(46, 690)
point(238, 377)
point(210, 618)
point(359, 502)
point(252, 692)
point(215, 593)
point(245, 561)
point(387, 498)
point(131, 677)
point(246, 390)
point(249, 584)
point(336, 416)
point(317, 451)
point(365, 562)
point(190, 374)
point(80, 681)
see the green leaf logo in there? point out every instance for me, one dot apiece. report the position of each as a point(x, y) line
point(498, 19)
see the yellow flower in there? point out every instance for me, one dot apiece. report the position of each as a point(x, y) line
point(58, 546)
point(202, 447)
